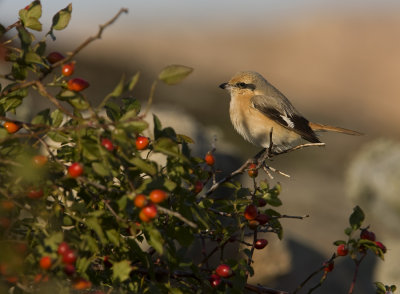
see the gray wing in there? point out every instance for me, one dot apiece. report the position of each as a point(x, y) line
point(282, 111)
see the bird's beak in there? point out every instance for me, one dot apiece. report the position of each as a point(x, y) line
point(224, 86)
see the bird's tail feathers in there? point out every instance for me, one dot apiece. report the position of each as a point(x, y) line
point(319, 127)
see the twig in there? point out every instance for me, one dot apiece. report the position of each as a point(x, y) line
point(90, 39)
point(250, 260)
point(15, 24)
point(177, 215)
point(353, 282)
point(42, 90)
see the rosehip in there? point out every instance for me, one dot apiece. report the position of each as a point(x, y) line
point(69, 257)
point(106, 143)
point(150, 211)
point(224, 271)
point(250, 212)
point(367, 235)
point(7, 205)
point(215, 280)
point(68, 69)
point(342, 250)
point(140, 200)
point(77, 84)
point(45, 262)
point(328, 266)
point(35, 193)
point(261, 202)
point(11, 127)
point(381, 246)
point(39, 160)
point(260, 243)
point(81, 284)
point(252, 172)
point(209, 159)
point(75, 170)
point(262, 218)
point(157, 196)
point(142, 142)
point(107, 261)
point(143, 217)
point(63, 248)
point(69, 269)
point(198, 186)
point(54, 57)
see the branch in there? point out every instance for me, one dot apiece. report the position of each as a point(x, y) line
point(177, 215)
point(90, 39)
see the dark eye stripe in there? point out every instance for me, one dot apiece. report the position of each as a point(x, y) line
point(246, 86)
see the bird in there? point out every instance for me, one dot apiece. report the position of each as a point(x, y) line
point(259, 111)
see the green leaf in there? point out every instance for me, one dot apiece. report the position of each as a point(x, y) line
point(94, 224)
point(113, 111)
point(168, 147)
point(19, 71)
point(100, 169)
point(131, 104)
point(82, 264)
point(113, 236)
point(129, 115)
point(62, 18)
point(56, 118)
point(134, 126)
point(24, 36)
point(35, 10)
point(121, 270)
point(32, 57)
point(33, 23)
point(42, 117)
point(173, 74)
point(155, 240)
point(58, 137)
point(54, 240)
point(119, 89)
point(183, 138)
point(40, 48)
point(145, 166)
point(133, 81)
point(157, 127)
point(356, 218)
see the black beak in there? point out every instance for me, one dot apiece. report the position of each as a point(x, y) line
point(223, 86)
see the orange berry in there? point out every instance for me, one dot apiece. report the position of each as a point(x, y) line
point(82, 284)
point(140, 200)
point(252, 172)
point(7, 205)
point(68, 69)
point(45, 262)
point(77, 84)
point(11, 127)
point(250, 212)
point(209, 158)
point(157, 196)
point(39, 160)
point(142, 142)
point(143, 217)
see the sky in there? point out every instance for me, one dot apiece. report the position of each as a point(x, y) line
point(178, 12)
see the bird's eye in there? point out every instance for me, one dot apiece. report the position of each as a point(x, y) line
point(242, 85)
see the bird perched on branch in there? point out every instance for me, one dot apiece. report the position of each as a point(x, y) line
point(259, 110)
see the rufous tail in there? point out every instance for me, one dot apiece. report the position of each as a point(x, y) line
point(319, 127)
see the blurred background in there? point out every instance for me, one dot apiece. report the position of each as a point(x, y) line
point(337, 61)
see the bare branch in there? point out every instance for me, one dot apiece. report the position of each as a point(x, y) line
point(177, 215)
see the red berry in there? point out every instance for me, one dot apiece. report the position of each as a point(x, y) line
point(198, 186)
point(54, 57)
point(381, 246)
point(82, 284)
point(250, 212)
point(260, 243)
point(106, 143)
point(158, 196)
point(75, 170)
point(150, 211)
point(143, 217)
point(209, 159)
point(45, 262)
point(11, 127)
point(262, 218)
point(367, 235)
point(252, 172)
point(69, 269)
point(342, 250)
point(142, 142)
point(35, 193)
point(328, 266)
point(140, 200)
point(68, 69)
point(224, 271)
point(215, 280)
point(77, 84)
point(261, 202)
point(63, 248)
point(107, 261)
point(39, 160)
point(69, 257)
